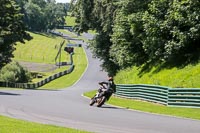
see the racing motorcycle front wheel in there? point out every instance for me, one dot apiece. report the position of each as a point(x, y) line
point(92, 101)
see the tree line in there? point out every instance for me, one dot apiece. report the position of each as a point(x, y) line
point(141, 32)
point(43, 14)
point(18, 16)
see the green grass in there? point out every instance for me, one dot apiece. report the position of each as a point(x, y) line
point(70, 21)
point(187, 77)
point(80, 62)
point(73, 34)
point(42, 48)
point(192, 113)
point(70, 34)
point(92, 32)
point(9, 125)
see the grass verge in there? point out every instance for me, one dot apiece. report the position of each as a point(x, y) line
point(192, 113)
point(9, 125)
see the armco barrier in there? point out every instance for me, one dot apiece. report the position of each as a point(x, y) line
point(182, 97)
point(151, 93)
point(187, 97)
point(38, 84)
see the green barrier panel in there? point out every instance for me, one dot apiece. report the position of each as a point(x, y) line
point(158, 94)
point(186, 97)
point(181, 97)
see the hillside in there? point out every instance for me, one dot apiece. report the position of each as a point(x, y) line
point(186, 77)
point(42, 48)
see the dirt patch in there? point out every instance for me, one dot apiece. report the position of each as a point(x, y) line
point(38, 67)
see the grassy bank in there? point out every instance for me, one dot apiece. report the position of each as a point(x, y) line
point(192, 113)
point(80, 62)
point(43, 48)
point(70, 34)
point(70, 21)
point(186, 77)
point(9, 125)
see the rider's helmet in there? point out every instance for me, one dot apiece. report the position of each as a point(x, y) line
point(110, 78)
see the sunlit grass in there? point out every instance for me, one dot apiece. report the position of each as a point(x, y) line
point(70, 34)
point(187, 77)
point(80, 62)
point(42, 48)
point(70, 21)
point(9, 125)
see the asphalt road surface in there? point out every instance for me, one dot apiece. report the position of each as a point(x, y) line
point(69, 108)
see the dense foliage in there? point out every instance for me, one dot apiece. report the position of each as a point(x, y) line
point(11, 29)
point(172, 30)
point(136, 32)
point(40, 15)
point(15, 73)
point(98, 16)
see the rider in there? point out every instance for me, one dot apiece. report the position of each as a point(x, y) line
point(108, 87)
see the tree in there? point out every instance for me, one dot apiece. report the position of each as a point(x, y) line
point(172, 31)
point(98, 16)
point(15, 73)
point(128, 33)
point(35, 17)
point(40, 15)
point(141, 32)
point(55, 15)
point(11, 29)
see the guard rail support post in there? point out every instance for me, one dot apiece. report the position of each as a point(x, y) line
point(167, 96)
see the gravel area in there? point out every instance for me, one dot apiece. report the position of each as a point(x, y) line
point(39, 67)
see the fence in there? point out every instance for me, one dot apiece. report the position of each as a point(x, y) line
point(182, 97)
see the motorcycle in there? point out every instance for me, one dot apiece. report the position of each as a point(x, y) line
point(100, 97)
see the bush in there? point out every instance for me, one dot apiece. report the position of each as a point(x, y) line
point(15, 73)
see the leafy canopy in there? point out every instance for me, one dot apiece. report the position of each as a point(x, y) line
point(11, 29)
point(141, 32)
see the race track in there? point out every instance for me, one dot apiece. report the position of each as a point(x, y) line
point(69, 108)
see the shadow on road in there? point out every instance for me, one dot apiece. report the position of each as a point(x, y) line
point(110, 107)
point(6, 93)
point(44, 89)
